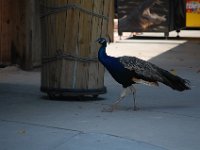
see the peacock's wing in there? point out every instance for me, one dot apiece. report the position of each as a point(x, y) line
point(142, 69)
point(151, 74)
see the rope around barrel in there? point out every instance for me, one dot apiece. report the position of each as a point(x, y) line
point(46, 11)
point(53, 10)
point(61, 55)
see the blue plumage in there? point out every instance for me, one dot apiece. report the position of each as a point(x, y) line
point(115, 68)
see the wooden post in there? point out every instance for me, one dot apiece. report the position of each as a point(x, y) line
point(20, 41)
point(5, 32)
point(69, 51)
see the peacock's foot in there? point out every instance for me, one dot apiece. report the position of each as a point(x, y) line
point(109, 109)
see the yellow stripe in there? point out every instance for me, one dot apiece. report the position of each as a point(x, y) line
point(192, 19)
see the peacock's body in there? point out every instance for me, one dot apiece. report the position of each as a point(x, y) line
point(130, 70)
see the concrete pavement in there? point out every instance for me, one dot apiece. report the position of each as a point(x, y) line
point(167, 120)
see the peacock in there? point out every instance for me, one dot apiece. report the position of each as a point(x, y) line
point(128, 71)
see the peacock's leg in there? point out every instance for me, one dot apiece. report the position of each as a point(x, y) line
point(134, 99)
point(114, 105)
point(124, 93)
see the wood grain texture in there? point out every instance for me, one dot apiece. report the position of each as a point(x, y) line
point(73, 32)
point(5, 32)
point(20, 41)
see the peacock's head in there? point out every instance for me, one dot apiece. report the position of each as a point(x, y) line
point(102, 41)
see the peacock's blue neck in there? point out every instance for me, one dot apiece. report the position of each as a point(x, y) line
point(102, 54)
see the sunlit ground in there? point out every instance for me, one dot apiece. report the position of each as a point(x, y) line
point(148, 49)
point(141, 48)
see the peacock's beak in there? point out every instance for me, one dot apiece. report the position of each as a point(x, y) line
point(97, 40)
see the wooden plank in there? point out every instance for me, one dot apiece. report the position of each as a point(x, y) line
point(1, 45)
point(27, 53)
point(84, 39)
point(71, 45)
point(1, 62)
point(104, 32)
point(36, 33)
point(60, 26)
point(52, 50)
point(6, 33)
point(94, 75)
point(45, 47)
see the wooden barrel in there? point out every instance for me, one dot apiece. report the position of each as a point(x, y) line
point(69, 52)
